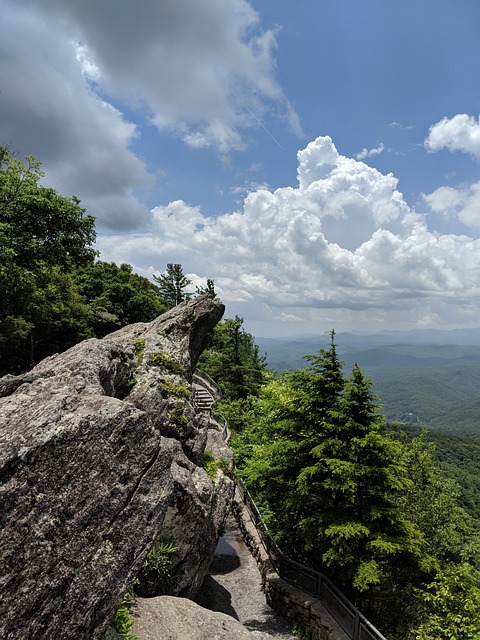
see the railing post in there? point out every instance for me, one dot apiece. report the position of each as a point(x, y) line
point(356, 627)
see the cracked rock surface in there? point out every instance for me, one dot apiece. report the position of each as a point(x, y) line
point(100, 454)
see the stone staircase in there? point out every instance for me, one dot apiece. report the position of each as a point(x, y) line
point(203, 399)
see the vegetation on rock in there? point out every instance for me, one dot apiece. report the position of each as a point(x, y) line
point(159, 576)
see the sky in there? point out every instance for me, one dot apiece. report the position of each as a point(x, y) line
point(320, 161)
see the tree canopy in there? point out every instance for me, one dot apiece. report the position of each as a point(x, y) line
point(53, 292)
point(43, 236)
point(347, 496)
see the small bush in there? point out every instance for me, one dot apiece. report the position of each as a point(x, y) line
point(162, 359)
point(139, 349)
point(212, 465)
point(123, 620)
point(178, 417)
point(176, 389)
point(139, 345)
point(159, 576)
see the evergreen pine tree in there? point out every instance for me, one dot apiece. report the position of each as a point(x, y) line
point(172, 284)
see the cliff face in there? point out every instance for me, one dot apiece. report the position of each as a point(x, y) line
point(100, 454)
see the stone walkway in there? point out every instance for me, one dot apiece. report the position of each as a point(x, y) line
point(233, 586)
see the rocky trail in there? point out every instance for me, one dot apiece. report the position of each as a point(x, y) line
point(233, 586)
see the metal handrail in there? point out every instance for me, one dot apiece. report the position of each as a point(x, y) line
point(223, 422)
point(205, 378)
point(319, 586)
point(354, 623)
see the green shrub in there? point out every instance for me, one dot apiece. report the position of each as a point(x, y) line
point(139, 345)
point(159, 576)
point(139, 349)
point(212, 464)
point(176, 389)
point(162, 359)
point(178, 417)
point(123, 620)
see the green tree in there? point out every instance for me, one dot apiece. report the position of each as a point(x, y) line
point(356, 470)
point(233, 360)
point(117, 296)
point(451, 605)
point(208, 290)
point(172, 284)
point(332, 481)
point(42, 237)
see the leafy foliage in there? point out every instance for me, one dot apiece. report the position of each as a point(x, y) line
point(349, 498)
point(212, 465)
point(159, 575)
point(451, 605)
point(178, 390)
point(117, 296)
point(123, 620)
point(53, 292)
point(163, 359)
point(459, 459)
point(43, 236)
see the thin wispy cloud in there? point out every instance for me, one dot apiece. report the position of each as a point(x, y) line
point(368, 153)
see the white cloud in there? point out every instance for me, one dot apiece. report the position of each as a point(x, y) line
point(368, 153)
point(462, 204)
point(343, 244)
point(48, 110)
point(70, 70)
point(460, 133)
point(197, 67)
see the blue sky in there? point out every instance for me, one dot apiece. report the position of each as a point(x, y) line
point(319, 160)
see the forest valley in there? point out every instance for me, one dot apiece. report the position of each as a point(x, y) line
point(364, 502)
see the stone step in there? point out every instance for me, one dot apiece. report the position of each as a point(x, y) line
point(202, 398)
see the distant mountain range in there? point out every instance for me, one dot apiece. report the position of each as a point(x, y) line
point(382, 338)
point(424, 377)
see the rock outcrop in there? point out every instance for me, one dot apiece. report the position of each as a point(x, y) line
point(100, 454)
point(180, 619)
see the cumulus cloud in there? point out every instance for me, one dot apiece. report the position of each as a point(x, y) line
point(343, 243)
point(460, 133)
point(462, 204)
point(48, 110)
point(71, 70)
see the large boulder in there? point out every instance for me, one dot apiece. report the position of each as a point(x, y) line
point(100, 455)
point(168, 618)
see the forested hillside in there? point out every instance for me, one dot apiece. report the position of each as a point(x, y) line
point(459, 458)
point(368, 505)
point(435, 385)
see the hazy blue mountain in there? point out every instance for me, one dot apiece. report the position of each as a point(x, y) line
point(424, 377)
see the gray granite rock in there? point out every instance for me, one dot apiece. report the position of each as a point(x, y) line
point(100, 452)
point(168, 618)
